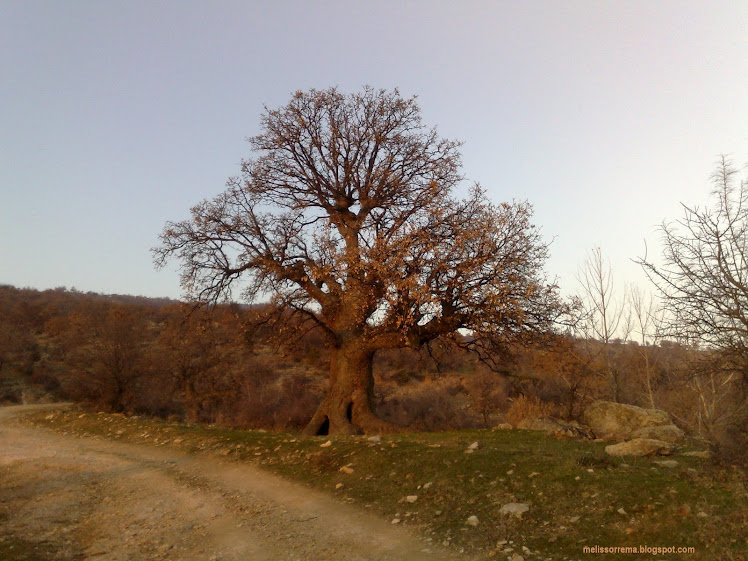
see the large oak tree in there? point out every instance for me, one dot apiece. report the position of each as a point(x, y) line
point(348, 214)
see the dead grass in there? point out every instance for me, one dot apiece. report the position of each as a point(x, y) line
point(527, 407)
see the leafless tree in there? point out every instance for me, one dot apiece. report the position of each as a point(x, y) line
point(647, 318)
point(603, 317)
point(347, 215)
point(703, 284)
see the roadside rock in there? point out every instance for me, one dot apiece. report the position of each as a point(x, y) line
point(668, 433)
point(503, 426)
point(515, 509)
point(698, 454)
point(472, 521)
point(640, 447)
point(617, 421)
point(555, 427)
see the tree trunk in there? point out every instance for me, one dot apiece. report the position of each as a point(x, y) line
point(347, 406)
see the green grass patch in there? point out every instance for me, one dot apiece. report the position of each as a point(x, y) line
point(577, 495)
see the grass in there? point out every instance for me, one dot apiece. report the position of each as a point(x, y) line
point(578, 495)
point(17, 549)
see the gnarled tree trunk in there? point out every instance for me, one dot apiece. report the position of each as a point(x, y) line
point(347, 407)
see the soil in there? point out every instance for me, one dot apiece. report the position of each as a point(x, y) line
point(71, 498)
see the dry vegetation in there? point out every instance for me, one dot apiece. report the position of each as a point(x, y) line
point(165, 359)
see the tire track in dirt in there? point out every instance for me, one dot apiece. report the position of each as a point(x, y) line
point(85, 498)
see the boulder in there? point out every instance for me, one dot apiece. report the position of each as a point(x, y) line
point(617, 421)
point(640, 447)
point(555, 427)
point(668, 433)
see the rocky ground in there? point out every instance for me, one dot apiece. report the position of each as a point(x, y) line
point(82, 498)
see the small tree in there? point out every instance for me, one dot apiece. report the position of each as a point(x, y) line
point(603, 319)
point(347, 216)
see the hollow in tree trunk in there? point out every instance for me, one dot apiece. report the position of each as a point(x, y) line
point(348, 405)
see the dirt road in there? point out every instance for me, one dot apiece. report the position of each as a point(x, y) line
point(83, 498)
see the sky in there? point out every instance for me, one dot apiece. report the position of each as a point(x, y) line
point(116, 117)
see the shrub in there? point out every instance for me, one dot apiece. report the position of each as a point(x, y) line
point(527, 407)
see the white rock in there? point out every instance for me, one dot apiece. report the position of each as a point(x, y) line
point(326, 444)
point(427, 485)
point(375, 439)
point(339, 486)
point(640, 447)
point(411, 498)
point(618, 420)
point(395, 521)
point(622, 511)
point(515, 509)
point(503, 426)
point(473, 446)
point(667, 463)
point(472, 521)
point(698, 454)
point(517, 557)
point(668, 433)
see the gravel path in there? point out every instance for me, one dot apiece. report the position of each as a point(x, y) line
point(84, 498)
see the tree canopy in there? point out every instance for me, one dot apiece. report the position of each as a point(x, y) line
point(349, 215)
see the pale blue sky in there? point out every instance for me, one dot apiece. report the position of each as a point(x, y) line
point(118, 116)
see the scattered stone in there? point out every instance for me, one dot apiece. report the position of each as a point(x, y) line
point(702, 514)
point(326, 444)
point(640, 447)
point(698, 454)
point(617, 421)
point(667, 463)
point(517, 557)
point(684, 510)
point(473, 446)
point(503, 426)
point(469, 451)
point(622, 511)
point(347, 470)
point(411, 498)
point(339, 486)
point(375, 439)
point(668, 433)
point(574, 519)
point(533, 474)
point(395, 521)
point(515, 509)
point(472, 521)
point(526, 550)
point(427, 485)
